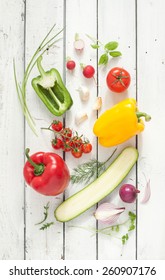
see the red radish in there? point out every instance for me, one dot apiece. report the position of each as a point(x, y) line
point(70, 64)
point(88, 71)
point(78, 43)
point(128, 193)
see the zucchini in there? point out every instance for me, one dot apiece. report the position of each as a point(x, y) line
point(98, 189)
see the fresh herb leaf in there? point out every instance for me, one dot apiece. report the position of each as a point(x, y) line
point(45, 226)
point(110, 46)
point(46, 208)
point(103, 59)
point(108, 50)
point(95, 46)
point(86, 172)
point(115, 53)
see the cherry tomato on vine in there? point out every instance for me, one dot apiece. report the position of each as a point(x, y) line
point(86, 148)
point(77, 152)
point(76, 142)
point(66, 133)
point(57, 143)
point(57, 125)
point(118, 79)
point(70, 65)
point(66, 146)
point(88, 71)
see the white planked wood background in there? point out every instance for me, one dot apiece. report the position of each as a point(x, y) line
point(138, 26)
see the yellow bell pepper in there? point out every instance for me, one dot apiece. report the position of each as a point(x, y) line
point(119, 123)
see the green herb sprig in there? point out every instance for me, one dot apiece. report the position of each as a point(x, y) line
point(86, 172)
point(108, 48)
point(46, 208)
point(45, 226)
point(115, 229)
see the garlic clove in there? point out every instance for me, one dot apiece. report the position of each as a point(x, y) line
point(80, 117)
point(98, 103)
point(147, 193)
point(84, 93)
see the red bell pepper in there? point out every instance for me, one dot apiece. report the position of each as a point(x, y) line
point(47, 173)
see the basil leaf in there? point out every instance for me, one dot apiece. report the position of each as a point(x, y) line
point(95, 46)
point(103, 59)
point(111, 45)
point(115, 54)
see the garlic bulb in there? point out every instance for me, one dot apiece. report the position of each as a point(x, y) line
point(84, 93)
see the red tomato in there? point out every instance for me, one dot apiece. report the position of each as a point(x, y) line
point(70, 65)
point(118, 79)
point(57, 125)
point(57, 143)
point(88, 71)
point(66, 133)
point(77, 152)
point(86, 148)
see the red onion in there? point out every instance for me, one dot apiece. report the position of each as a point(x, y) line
point(128, 193)
point(108, 213)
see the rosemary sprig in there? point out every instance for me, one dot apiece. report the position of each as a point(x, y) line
point(45, 226)
point(21, 87)
point(46, 208)
point(86, 172)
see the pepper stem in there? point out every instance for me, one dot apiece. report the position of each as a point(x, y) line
point(142, 114)
point(40, 68)
point(38, 168)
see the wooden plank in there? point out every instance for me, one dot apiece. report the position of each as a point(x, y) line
point(116, 22)
point(78, 242)
point(151, 88)
point(11, 135)
point(40, 17)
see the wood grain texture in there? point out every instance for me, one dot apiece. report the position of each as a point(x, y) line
point(151, 88)
point(138, 26)
point(112, 26)
point(12, 132)
point(40, 17)
point(75, 236)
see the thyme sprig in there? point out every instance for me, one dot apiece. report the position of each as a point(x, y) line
point(86, 172)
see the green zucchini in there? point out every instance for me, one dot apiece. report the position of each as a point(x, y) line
point(98, 189)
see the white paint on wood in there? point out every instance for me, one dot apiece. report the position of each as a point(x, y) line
point(116, 21)
point(12, 132)
point(151, 88)
point(77, 13)
point(40, 18)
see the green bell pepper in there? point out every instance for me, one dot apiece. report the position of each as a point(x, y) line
point(51, 90)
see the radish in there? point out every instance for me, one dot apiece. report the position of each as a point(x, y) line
point(88, 71)
point(70, 65)
point(78, 43)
